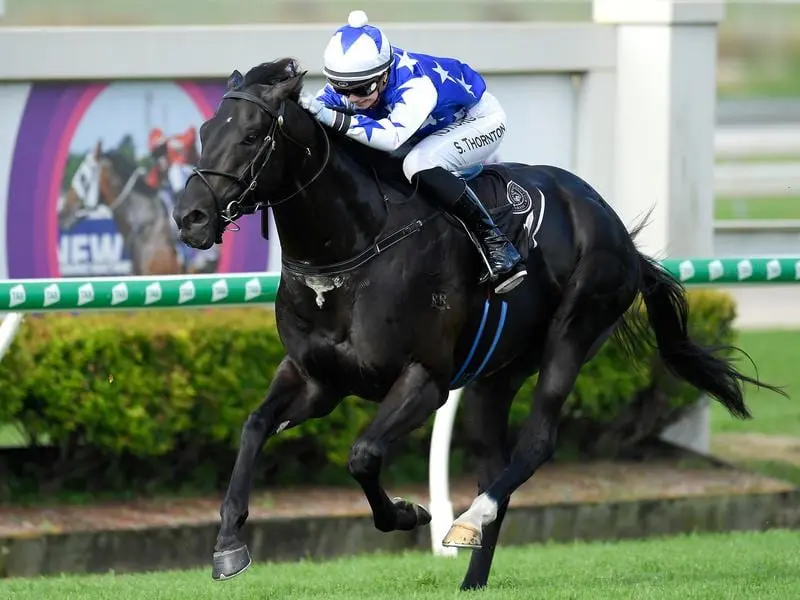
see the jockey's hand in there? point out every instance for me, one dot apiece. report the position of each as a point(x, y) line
point(322, 113)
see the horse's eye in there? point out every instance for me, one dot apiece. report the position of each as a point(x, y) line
point(250, 138)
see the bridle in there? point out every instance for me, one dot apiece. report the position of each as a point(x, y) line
point(247, 179)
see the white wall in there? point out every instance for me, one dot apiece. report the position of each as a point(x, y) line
point(200, 51)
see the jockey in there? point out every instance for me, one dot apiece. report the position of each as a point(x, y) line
point(436, 109)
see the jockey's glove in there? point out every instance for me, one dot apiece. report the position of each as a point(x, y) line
point(323, 114)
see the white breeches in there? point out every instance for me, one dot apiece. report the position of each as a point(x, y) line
point(464, 143)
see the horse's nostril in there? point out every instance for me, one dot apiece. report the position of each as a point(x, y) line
point(196, 217)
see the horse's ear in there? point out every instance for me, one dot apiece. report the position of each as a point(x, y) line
point(98, 149)
point(235, 80)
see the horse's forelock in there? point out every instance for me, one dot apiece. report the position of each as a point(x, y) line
point(284, 75)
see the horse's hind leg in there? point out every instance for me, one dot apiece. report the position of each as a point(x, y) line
point(486, 405)
point(413, 398)
point(590, 307)
point(292, 399)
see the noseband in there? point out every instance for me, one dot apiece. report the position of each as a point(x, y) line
point(248, 178)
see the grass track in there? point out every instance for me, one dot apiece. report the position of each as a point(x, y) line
point(757, 208)
point(725, 566)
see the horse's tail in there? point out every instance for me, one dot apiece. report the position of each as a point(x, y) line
point(668, 312)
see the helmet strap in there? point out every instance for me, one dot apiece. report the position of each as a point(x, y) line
point(384, 81)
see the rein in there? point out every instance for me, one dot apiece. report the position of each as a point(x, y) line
point(238, 207)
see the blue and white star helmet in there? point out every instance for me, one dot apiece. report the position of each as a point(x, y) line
point(356, 51)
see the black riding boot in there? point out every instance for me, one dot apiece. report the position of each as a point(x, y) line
point(505, 266)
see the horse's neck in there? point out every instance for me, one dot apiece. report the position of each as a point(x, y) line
point(336, 217)
point(136, 211)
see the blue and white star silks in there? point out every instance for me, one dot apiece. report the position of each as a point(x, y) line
point(423, 94)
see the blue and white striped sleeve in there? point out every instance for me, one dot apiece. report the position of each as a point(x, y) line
point(409, 113)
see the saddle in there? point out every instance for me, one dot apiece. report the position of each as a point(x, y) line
point(517, 213)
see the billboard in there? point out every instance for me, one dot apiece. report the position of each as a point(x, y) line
point(94, 170)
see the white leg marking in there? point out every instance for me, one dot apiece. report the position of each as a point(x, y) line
point(482, 512)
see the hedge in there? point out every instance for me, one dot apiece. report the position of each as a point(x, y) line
point(178, 385)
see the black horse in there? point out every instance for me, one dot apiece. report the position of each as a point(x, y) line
point(379, 298)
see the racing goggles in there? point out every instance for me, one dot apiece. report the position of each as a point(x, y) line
point(362, 89)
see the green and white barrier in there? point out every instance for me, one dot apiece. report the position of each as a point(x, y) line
point(131, 293)
point(734, 270)
point(174, 291)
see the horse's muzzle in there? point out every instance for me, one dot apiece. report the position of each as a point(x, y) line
point(200, 238)
point(195, 227)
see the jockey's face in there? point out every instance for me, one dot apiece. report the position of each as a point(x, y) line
point(364, 102)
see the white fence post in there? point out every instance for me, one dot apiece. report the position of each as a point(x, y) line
point(8, 329)
point(665, 106)
point(439, 474)
point(664, 122)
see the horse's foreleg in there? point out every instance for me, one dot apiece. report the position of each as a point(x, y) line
point(414, 397)
point(582, 319)
point(292, 399)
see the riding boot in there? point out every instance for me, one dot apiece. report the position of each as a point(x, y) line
point(504, 265)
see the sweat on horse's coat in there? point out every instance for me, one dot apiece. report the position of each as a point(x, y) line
point(401, 323)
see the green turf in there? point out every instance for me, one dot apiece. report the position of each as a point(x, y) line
point(776, 354)
point(778, 469)
point(757, 208)
point(724, 566)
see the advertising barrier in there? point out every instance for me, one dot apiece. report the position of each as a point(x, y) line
point(94, 171)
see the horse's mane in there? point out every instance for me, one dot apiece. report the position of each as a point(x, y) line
point(384, 163)
point(287, 71)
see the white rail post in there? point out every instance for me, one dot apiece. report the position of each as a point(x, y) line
point(439, 474)
point(665, 107)
point(664, 122)
point(8, 329)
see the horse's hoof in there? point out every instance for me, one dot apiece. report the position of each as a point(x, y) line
point(421, 514)
point(462, 535)
point(230, 563)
